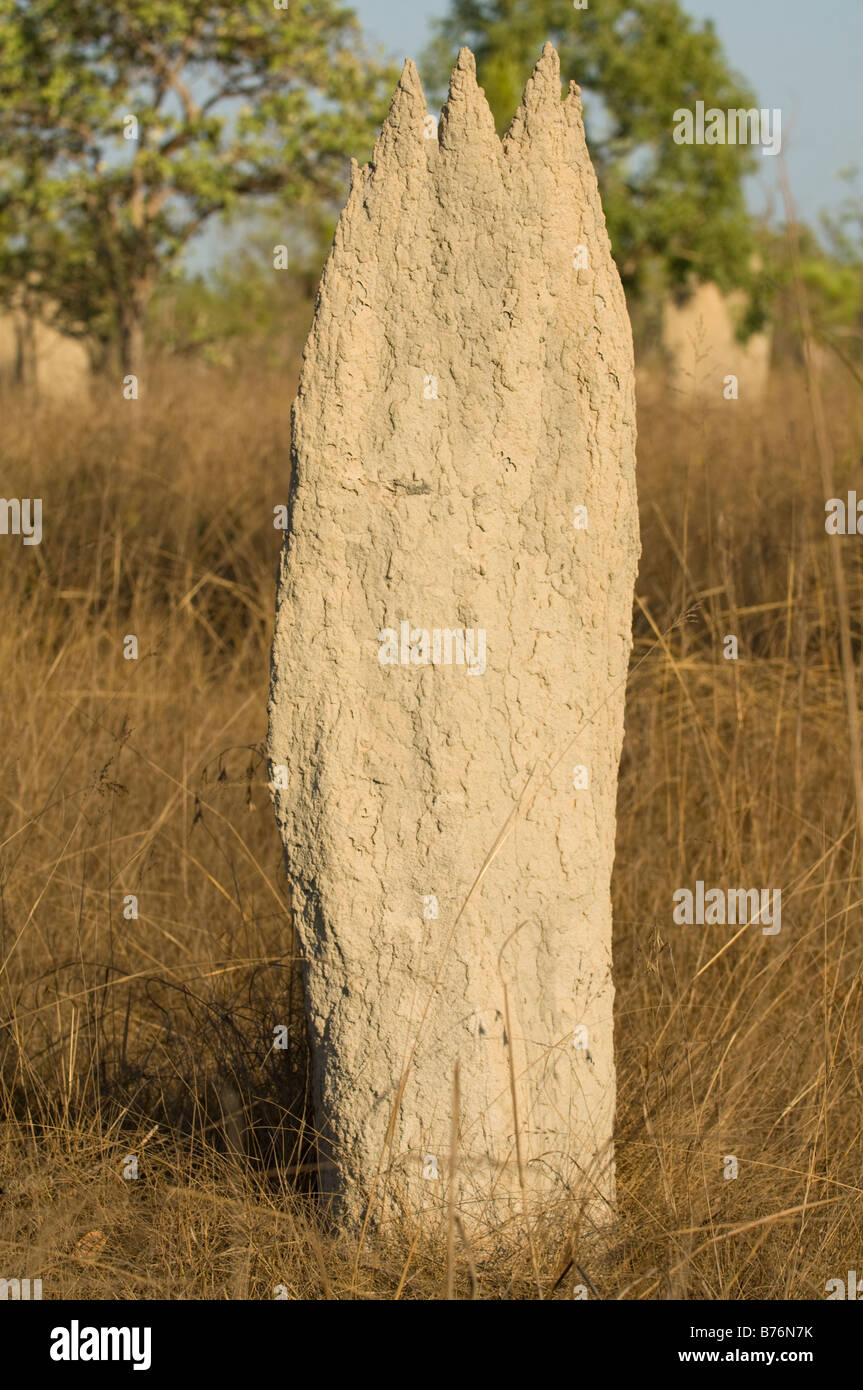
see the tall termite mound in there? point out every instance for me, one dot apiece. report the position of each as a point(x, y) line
point(452, 638)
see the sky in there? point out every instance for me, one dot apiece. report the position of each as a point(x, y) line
point(804, 57)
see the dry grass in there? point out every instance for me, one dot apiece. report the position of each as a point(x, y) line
point(154, 1036)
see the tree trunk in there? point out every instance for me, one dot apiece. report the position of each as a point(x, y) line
point(26, 365)
point(132, 312)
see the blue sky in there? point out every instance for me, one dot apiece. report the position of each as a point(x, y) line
point(803, 56)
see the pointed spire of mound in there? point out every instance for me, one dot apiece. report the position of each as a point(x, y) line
point(403, 126)
point(572, 107)
point(466, 118)
point(463, 74)
point(540, 108)
point(409, 82)
point(543, 85)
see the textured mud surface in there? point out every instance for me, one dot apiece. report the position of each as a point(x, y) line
point(467, 387)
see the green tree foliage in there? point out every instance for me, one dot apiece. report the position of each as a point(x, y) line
point(242, 312)
point(844, 232)
point(673, 211)
point(832, 280)
point(222, 101)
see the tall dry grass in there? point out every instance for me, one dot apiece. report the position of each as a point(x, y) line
point(154, 1036)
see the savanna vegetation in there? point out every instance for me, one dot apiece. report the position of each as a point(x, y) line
point(146, 949)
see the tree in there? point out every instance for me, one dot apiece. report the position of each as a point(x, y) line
point(833, 282)
point(679, 208)
point(126, 126)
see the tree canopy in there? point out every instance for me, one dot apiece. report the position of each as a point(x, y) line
point(125, 126)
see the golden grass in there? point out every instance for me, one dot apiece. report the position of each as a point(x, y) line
point(154, 1036)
